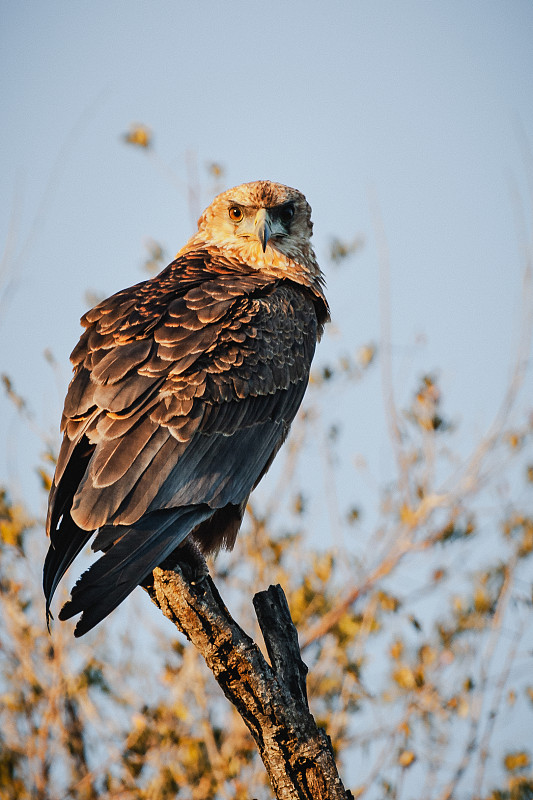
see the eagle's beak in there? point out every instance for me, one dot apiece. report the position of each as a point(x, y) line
point(262, 227)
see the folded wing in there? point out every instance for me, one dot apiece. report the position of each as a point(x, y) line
point(184, 389)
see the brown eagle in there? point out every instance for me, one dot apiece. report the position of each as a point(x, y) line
point(184, 389)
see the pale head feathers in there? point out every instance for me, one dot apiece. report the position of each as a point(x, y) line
point(231, 224)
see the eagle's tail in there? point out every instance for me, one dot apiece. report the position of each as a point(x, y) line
point(137, 550)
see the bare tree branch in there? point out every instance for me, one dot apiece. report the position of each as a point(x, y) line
point(271, 699)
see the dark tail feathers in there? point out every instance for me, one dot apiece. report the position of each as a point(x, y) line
point(138, 549)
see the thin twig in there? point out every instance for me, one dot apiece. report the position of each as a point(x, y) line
point(486, 662)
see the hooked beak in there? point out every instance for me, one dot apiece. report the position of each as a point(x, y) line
point(262, 227)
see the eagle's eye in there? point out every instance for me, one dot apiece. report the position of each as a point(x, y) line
point(235, 213)
point(286, 213)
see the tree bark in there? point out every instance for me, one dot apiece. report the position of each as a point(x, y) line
point(271, 698)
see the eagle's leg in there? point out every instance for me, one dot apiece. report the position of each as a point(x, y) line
point(191, 561)
point(190, 558)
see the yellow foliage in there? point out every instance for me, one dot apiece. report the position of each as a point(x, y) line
point(46, 479)
point(138, 721)
point(348, 626)
point(299, 603)
point(408, 515)
point(482, 600)
point(322, 567)
point(517, 760)
point(526, 545)
point(9, 532)
point(354, 514)
point(298, 505)
point(515, 440)
point(406, 758)
point(139, 135)
point(365, 355)
point(193, 754)
point(404, 728)
point(519, 524)
point(396, 649)
point(215, 170)
point(13, 523)
point(427, 655)
point(405, 677)
point(463, 708)
point(181, 711)
point(458, 604)
point(459, 705)
point(453, 703)
point(426, 423)
point(520, 787)
point(512, 522)
point(387, 601)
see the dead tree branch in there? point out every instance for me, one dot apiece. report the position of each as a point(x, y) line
point(271, 698)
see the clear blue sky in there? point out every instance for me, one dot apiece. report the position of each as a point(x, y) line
point(419, 107)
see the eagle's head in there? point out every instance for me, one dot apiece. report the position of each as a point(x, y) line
point(264, 225)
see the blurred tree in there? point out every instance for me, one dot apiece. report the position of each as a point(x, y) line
point(64, 710)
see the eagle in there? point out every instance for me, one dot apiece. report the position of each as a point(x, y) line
point(184, 389)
